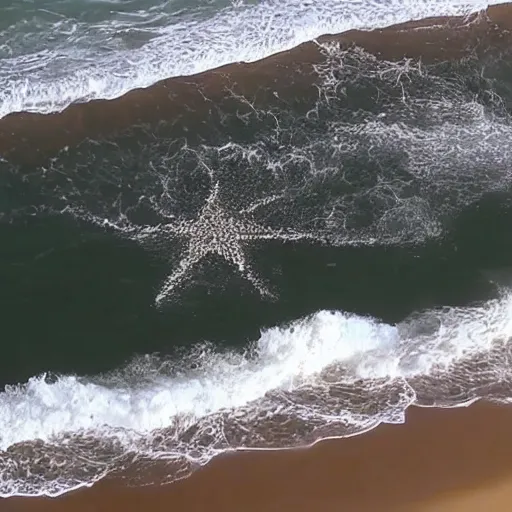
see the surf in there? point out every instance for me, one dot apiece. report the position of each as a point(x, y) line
point(50, 67)
point(329, 374)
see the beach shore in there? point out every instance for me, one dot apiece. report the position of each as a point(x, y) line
point(439, 460)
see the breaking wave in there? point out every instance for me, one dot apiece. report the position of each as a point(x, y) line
point(329, 374)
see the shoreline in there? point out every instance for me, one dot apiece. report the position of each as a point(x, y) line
point(438, 459)
point(32, 138)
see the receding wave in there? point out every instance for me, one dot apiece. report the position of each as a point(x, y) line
point(63, 54)
point(328, 374)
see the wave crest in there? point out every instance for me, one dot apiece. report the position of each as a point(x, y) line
point(329, 374)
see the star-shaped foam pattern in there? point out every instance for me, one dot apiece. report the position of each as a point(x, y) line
point(217, 230)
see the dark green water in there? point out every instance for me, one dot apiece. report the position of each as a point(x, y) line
point(78, 301)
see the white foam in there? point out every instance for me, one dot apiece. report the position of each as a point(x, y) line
point(437, 339)
point(284, 358)
point(45, 81)
point(281, 358)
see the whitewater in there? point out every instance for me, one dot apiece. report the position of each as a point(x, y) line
point(330, 374)
point(57, 53)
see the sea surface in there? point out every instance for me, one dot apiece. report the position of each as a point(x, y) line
point(264, 273)
point(55, 52)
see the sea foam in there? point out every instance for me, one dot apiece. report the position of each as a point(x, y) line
point(326, 375)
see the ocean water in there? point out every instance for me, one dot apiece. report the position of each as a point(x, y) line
point(262, 273)
point(55, 52)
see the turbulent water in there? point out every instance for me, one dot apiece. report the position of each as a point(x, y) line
point(330, 374)
point(282, 271)
point(56, 52)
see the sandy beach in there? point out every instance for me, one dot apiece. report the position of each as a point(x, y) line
point(440, 460)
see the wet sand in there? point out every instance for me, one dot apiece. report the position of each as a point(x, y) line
point(439, 460)
point(187, 102)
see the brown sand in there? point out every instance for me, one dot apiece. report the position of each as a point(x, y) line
point(440, 460)
point(33, 138)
